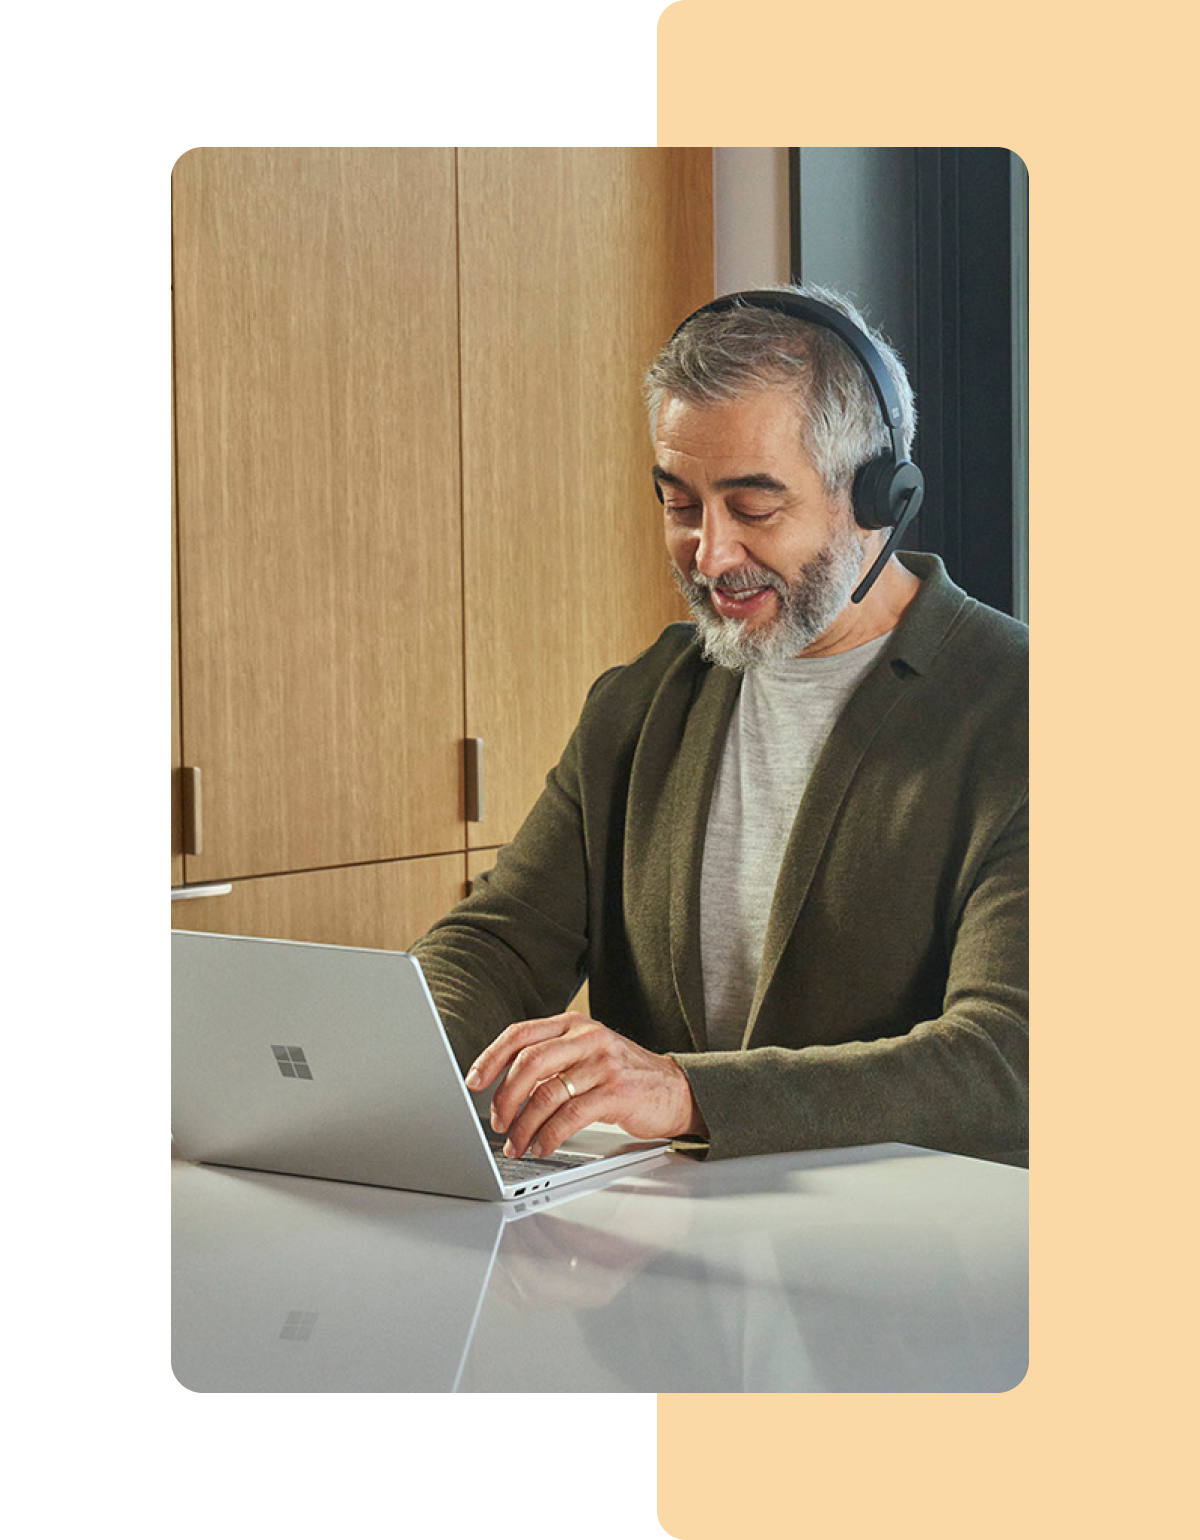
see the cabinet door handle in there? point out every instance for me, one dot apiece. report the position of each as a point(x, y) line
point(193, 819)
point(202, 890)
point(473, 766)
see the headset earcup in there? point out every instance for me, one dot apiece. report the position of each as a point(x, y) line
point(882, 489)
point(870, 495)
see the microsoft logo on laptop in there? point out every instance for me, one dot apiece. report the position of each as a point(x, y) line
point(292, 1062)
point(299, 1325)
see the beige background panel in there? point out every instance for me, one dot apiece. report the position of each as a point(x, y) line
point(88, 274)
point(317, 434)
point(565, 569)
point(386, 905)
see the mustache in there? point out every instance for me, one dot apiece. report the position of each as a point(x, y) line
point(736, 581)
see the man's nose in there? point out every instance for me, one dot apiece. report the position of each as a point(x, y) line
point(719, 547)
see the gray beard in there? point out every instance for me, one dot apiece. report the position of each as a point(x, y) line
point(807, 608)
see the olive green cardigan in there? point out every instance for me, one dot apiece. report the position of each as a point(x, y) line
point(892, 999)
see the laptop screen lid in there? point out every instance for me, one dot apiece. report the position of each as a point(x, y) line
point(331, 1061)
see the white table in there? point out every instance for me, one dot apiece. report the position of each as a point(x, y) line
point(884, 1268)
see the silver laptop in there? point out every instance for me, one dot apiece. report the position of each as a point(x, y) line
point(331, 1061)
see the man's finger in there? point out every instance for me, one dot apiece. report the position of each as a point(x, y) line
point(497, 1056)
point(551, 1130)
point(534, 1064)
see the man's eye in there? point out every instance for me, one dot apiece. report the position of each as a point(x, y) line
point(753, 516)
point(683, 510)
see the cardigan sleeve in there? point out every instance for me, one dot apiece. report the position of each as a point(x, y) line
point(958, 1082)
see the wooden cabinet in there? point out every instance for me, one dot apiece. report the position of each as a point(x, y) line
point(413, 502)
point(316, 380)
point(379, 904)
point(576, 266)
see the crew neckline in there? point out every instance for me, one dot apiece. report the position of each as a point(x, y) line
point(832, 663)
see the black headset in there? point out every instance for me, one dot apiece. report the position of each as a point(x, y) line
point(887, 490)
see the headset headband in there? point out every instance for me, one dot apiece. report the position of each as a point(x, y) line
point(801, 308)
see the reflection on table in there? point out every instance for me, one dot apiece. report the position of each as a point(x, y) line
point(878, 1269)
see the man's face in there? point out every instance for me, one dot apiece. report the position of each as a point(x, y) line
point(765, 557)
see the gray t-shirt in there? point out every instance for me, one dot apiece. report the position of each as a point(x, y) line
point(783, 715)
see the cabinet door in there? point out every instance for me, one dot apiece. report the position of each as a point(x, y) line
point(385, 905)
point(576, 265)
point(316, 361)
point(176, 739)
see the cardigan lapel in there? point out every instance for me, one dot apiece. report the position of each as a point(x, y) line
point(694, 776)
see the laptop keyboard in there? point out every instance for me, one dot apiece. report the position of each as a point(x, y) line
point(530, 1166)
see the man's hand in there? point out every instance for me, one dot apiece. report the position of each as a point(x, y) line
point(611, 1080)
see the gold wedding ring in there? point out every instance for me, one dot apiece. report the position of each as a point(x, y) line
point(570, 1088)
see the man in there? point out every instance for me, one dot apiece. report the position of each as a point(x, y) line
point(787, 846)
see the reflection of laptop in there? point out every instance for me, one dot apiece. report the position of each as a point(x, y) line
point(331, 1061)
point(285, 1285)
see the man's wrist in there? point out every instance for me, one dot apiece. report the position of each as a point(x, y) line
point(692, 1120)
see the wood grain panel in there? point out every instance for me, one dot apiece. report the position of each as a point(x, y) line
point(385, 905)
point(575, 266)
point(317, 421)
point(176, 730)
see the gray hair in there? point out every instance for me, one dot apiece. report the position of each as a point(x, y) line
point(727, 355)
